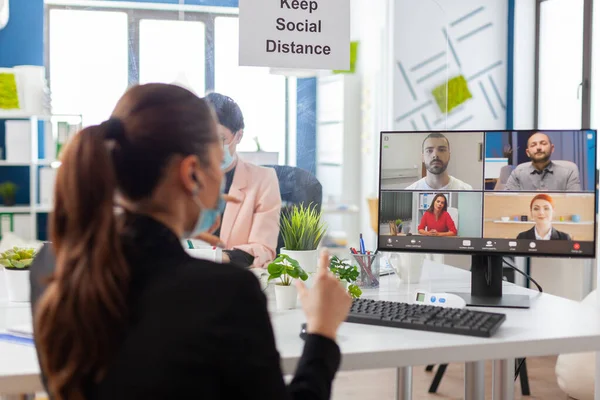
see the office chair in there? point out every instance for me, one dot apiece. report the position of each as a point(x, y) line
point(503, 178)
point(296, 186)
point(453, 211)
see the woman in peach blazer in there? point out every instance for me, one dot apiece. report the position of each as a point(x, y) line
point(253, 225)
point(249, 229)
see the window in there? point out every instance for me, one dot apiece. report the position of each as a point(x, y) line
point(260, 94)
point(561, 59)
point(88, 62)
point(173, 52)
point(96, 52)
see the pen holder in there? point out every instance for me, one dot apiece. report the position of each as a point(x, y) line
point(368, 266)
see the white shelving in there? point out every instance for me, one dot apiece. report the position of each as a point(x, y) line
point(35, 163)
point(339, 154)
point(553, 222)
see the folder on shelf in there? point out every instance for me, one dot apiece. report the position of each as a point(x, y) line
point(17, 141)
point(47, 181)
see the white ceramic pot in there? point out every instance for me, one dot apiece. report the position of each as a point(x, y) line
point(286, 297)
point(308, 259)
point(17, 283)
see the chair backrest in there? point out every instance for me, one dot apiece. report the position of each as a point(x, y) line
point(454, 215)
point(297, 186)
point(503, 178)
point(567, 164)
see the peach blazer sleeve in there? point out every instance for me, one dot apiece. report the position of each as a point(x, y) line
point(253, 225)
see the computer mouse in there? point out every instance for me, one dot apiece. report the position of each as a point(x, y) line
point(303, 331)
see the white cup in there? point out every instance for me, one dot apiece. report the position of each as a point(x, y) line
point(408, 266)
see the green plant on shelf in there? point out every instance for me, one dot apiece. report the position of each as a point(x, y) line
point(17, 258)
point(346, 272)
point(8, 191)
point(286, 268)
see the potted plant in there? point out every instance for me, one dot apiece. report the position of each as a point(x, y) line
point(347, 274)
point(8, 191)
point(16, 262)
point(302, 230)
point(398, 223)
point(285, 269)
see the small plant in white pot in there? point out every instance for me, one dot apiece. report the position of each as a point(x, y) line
point(347, 274)
point(16, 262)
point(286, 269)
point(302, 229)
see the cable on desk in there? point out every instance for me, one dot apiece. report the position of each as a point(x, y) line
point(524, 274)
point(518, 368)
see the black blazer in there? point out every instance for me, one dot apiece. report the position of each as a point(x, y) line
point(555, 235)
point(198, 330)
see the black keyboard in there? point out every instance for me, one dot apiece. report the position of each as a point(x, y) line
point(425, 317)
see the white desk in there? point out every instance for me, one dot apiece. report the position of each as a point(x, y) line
point(551, 326)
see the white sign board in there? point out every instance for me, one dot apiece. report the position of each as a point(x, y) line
point(313, 34)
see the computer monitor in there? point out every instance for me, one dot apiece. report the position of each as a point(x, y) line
point(489, 194)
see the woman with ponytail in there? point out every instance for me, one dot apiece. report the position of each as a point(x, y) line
point(126, 313)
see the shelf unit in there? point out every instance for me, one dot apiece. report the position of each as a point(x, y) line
point(553, 222)
point(338, 153)
point(49, 125)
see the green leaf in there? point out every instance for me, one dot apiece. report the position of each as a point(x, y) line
point(293, 272)
point(274, 276)
point(286, 267)
point(303, 275)
point(275, 268)
point(302, 227)
point(354, 291)
point(27, 262)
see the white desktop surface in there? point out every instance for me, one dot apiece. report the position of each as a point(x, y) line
point(552, 325)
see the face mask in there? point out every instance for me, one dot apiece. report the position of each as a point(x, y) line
point(208, 216)
point(227, 157)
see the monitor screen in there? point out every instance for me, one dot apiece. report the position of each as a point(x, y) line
point(529, 193)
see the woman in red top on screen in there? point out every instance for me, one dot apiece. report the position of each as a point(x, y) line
point(437, 221)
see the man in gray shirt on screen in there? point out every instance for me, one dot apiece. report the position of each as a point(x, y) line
point(541, 173)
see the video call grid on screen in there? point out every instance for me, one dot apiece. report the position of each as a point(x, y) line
point(511, 192)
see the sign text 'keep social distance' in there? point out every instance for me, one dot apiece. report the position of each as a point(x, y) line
point(308, 34)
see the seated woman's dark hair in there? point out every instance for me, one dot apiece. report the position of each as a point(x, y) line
point(228, 112)
point(80, 319)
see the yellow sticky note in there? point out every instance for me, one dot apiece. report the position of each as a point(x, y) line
point(353, 58)
point(458, 92)
point(9, 98)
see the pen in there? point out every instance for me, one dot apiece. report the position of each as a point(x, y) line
point(362, 245)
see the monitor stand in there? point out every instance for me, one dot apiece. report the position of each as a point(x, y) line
point(486, 285)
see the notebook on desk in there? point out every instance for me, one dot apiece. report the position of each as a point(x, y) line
point(203, 250)
point(25, 330)
point(19, 334)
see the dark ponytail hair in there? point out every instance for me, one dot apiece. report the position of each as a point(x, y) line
point(81, 318)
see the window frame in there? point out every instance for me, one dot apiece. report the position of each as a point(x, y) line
point(205, 14)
